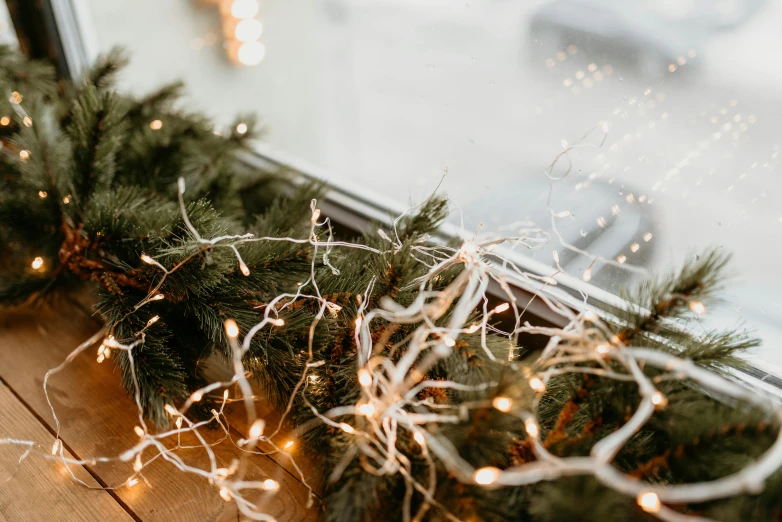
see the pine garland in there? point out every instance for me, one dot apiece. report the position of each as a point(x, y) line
point(90, 188)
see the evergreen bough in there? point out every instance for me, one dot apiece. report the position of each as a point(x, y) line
point(89, 186)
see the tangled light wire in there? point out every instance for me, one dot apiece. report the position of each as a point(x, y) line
point(389, 400)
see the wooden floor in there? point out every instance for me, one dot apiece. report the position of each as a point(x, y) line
point(97, 420)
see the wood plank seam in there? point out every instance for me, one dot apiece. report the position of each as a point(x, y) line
point(70, 450)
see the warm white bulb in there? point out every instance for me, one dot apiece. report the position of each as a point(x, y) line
point(419, 438)
point(225, 494)
point(241, 129)
point(147, 259)
point(170, 409)
point(587, 275)
point(347, 428)
point(257, 429)
point(243, 267)
point(139, 431)
point(698, 307)
point(501, 308)
point(244, 9)
point(449, 342)
point(251, 53)
point(486, 476)
point(153, 320)
point(538, 385)
point(364, 377)
point(473, 328)
point(270, 485)
point(602, 349)
point(231, 329)
point(503, 404)
point(55, 446)
point(532, 428)
point(649, 502)
point(157, 297)
point(132, 482)
point(277, 322)
point(37, 263)
point(156, 124)
point(288, 445)
point(197, 396)
point(367, 409)
point(137, 464)
point(247, 31)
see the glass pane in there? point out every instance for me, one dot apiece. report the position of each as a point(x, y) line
point(677, 103)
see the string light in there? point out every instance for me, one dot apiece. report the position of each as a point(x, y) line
point(587, 275)
point(367, 409)
point(486, 476)
point(225, 494)
point(698, 307)
point(649, 502)
point(138, 431)
point(659, 400)
point(288, 445)
point(24, 155)
point(37, 263)
point(270, 485)
point(244, 9)
point(364, 377)
point(66, 199)
point(5, 121)
point(538, 385)
point(501, 308)
point(170, 410)
point(247, 31)
point(157, 297)
point(231, 329)
point(27, 121)
point(15, 98)
point(503, 404)
point(243, 267)
point(197, 396)
point(347, 428)
point(419, 438)
point(242, 127)
point(132, 482)
point(532, 428)
point(277, 322)
point(156, 124)
point(56, 446)
point(137, 464)
point(148, 260)
point(153, 320)
point(602, 348)
point(449, 342)
point(251, 53)
point(42, 194)
point(256, 429)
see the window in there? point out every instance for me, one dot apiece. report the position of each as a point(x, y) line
point(677, 102)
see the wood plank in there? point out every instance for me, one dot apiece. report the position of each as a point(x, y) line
point(98, 420)
point(39, 489)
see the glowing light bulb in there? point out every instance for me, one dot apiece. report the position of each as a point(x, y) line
point(532, 428)
point(367, 409)
point(243, 267)
point(244, 9)
point(28, 121)
point(473, 328)
point(137, 464)
point(648, 236)
point(503, 404)
point(153, 320)
point(101, 358)
point(178, 423)
point(225, 395)
point(66, 199)
point(5, 120)
point(315, 215)
point(170, 409)
point(659, 400)
point(364, 377)
point(251, 53)
point(537, 385)
point(197, 396)
point(587, 275)
point(42, 194)
point(698, 307)
point(231, 329)
point(15, 98)
point(257, 428)
point(486, 476)
point(225, 494)
point(501, 308)
point(347, 428)
point(56, 446)
point(242, 127)
point(449, 342)
point(248, 31)
point(649, 502)
point(156, 124)
point(24, 155)
point(132, 482)
point(148, 260)
point(602, 348)
point(358, 322)
point(277, 322)
point(138, 431)
point(288, 444)
point(270, 485)
point(37, 263)
point(157, 297)
point(419, 438)
point(634, 247)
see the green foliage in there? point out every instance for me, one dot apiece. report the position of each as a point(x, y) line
point(97, 189)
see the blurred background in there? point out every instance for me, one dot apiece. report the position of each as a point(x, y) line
point(678, 103)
